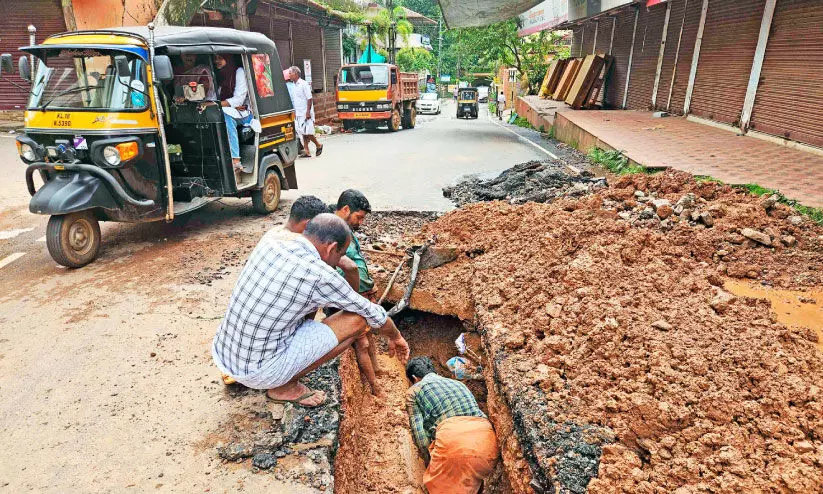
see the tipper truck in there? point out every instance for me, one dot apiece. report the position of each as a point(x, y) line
point(373, 94)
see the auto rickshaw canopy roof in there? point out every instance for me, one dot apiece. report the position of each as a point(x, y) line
point(177, 40)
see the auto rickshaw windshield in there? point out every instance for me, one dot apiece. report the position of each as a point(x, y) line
point(88, 79)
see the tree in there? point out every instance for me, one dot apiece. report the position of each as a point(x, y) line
point(415, 60)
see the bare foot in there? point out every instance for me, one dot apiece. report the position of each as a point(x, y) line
point(381, 372)
point(237, 165)
point(378, 392)
point(293, 391)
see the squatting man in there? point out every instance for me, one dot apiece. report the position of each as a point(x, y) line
point(266, 341)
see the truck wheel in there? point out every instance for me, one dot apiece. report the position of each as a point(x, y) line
point(73, 239)
point(348, 125)
point(394, 121)
point(410, 119)
point(266, 199)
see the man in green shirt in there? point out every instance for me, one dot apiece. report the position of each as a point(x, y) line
point(352, 207)
point(450, 431)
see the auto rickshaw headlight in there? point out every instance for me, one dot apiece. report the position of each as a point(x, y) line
point(26, 152)
point(112, 155)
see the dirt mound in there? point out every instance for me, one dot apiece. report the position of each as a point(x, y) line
point(537, 181)
point(626, 365)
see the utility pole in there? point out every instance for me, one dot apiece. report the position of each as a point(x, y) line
point(392, 32)
point(439, 48)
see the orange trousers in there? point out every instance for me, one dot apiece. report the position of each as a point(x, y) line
point(463, 453)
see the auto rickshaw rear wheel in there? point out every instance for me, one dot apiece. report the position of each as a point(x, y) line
point(267, 199)
point(394, 121)
point(73, 239)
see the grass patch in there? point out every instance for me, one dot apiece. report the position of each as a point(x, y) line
point(551, 132)
point(523, 122)
point(707, 179)
point(814, 214)
point(614, 161)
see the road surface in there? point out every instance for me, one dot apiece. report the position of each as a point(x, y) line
point(106, 379)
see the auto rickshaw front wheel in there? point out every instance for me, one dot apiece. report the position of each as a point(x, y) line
point(73, 239)
point(267, 199)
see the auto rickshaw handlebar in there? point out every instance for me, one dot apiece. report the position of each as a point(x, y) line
point(115, 188)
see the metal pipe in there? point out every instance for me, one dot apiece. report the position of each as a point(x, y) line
point(631, 55)
point(757, 64)
point(695, 57)
point(32, 40)
point(659, 69)
point(160, 120)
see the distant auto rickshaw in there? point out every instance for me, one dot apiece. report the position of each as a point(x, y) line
point(467, 106)
point(118, 134)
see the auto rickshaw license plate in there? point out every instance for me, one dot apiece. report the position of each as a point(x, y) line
point(361, 114)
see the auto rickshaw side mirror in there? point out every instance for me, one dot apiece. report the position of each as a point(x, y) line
point(122, 64)
point(6, 65)
point(162, 68)
point(24, 68)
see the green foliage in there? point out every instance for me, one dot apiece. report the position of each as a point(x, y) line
point(551, 132)
point(522, 122)
point(614, 161)
point(706, 179)
point(415, 60)
point(814, 214)
point(429, 8)
point(349, 45)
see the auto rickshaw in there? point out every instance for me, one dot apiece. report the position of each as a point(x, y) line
point(467, 106)
point(116, 133)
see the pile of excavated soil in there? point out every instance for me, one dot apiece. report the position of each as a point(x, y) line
point(625, 365)
point(535, 181)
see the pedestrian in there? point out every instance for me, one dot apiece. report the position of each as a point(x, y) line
point(265, 340)
point(304, 113)
point(234, 98)
point(450, 430)
point(501, 105)
point(352, 207)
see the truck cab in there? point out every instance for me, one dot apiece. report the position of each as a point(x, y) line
point(374, 94)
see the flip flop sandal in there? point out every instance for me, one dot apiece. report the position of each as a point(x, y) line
point(297, 401)
point(319, 151)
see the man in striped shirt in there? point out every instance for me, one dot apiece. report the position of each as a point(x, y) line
point(265, 341)
point(450, 430)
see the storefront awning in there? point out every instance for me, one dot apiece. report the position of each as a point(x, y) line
point(473, 13)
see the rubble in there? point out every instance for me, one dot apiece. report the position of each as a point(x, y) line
point(533, 181)
point(717, 395)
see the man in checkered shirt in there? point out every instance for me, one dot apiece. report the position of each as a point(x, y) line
point(266, 340)
point(450, 431)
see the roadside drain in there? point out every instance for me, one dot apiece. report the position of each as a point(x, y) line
point(376, 452)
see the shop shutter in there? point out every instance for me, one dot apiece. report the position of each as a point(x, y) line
point(588, 38)
point(646, 52)
point(334, 55)
point(789, 100)
point(280, 35)
point(577, 42)
point(47, 17)
point(726, 55)
point(691, 23)
point(675, 21)
point(604, 34)
point(308, 45)
point(616, 82)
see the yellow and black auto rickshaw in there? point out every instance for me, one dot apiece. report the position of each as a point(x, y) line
point(118, 131)
point(467, 106)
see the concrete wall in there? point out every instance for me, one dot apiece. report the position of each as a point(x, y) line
point(96, 14)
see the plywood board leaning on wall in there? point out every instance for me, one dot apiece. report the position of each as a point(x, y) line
point(569, 73)
point(586, 76)
point(553, 74)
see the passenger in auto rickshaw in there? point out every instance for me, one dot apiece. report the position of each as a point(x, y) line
point(233, 95)
point(190, 71)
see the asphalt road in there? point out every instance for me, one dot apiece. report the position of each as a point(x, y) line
point(106, 379)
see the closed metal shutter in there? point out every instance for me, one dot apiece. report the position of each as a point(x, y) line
point(577, 42)
point(280, 35)
point(691, 23)
point(675, 21)
point(604, 34)
point(789, 100)
point(616, 82)
point(308, 45)
point(588, 38)
point(47, 17)
point(334, 55)
point(646, 51)
point(726, 55)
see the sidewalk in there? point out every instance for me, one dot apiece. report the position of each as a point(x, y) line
point(696, 148)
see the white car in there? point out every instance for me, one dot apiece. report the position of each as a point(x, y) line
point(428, 103)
